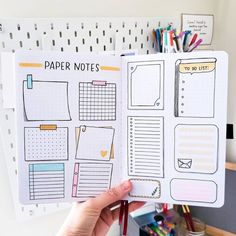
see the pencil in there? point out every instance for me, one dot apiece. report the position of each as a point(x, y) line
point(190, 218)
point(186, 219)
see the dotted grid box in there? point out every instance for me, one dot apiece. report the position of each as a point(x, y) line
point(46, 145)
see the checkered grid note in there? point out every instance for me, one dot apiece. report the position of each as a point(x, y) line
point(97, 101)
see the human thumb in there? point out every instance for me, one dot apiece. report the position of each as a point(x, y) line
point(112, 195)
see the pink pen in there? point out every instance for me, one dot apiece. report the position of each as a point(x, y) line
point(192, 47)
point(193, 40)
point(181, 34)
point(181, 39)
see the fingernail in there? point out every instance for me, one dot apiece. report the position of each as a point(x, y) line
point(126, 185)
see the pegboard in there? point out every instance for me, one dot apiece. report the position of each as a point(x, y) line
point(71, 35)
point(79, 35)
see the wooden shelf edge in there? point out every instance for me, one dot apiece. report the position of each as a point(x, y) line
point(217, 232)
point(230, 166)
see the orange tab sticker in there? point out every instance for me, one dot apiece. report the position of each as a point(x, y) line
point(48, 127)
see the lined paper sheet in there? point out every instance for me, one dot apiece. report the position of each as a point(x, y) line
point(145, 146)
point(91, 179)
point(46, 181)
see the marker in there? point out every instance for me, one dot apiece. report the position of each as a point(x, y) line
point(158, 37)
point(186, 40)
point(128, 54)
point(185, 36)
point(181, 39)
point(181, 35)
point(149, 231)
point(165, 208)
point(156, 229)
point(155, 39)
point(180, 44)
point(194, 38)
point(195, 45)
point(169, 26)
point(171, 44)
point(159, 219)
point(165, 42)
point(170, 225)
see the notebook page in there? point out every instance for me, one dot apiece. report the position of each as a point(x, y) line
point(68, 123)
point(174, 117)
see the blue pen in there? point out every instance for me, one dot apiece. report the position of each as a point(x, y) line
point(187, 42)
point(185, 38)
point(128, 54)
point(173, 232)
point(158, 35)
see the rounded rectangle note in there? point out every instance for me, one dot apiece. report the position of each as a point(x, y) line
point(192, 190)
point(196, 148)
point(145, 188)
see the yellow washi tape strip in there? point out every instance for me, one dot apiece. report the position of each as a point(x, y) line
point(111, 68)
point(35, 65)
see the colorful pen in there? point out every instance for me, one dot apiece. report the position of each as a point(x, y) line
point(149, 231)
point(195, 45)
point(186, 40)
point(158, 37)
point(193, 40)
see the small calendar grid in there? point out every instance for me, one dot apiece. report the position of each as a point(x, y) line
point(97, 102)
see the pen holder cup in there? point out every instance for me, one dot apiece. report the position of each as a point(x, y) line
point(199, 226)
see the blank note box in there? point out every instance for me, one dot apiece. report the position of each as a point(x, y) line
point(46, 100)
point(192, 190)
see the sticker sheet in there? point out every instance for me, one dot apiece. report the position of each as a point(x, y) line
point(174, 110)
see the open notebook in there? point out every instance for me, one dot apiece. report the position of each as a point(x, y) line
point(86, 122)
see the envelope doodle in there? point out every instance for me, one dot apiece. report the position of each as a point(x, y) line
point(184, 163)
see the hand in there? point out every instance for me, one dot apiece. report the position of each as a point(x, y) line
point(95, 216)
